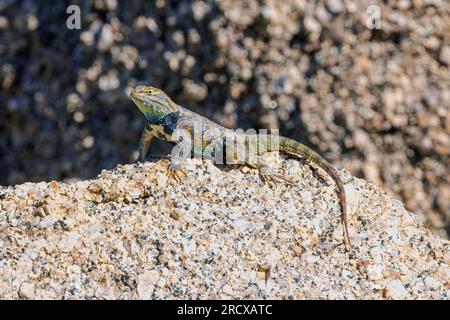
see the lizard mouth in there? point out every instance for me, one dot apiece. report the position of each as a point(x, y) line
point(136, 96)
point(139, 100)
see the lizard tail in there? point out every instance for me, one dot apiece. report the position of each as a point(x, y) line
point(295, 148)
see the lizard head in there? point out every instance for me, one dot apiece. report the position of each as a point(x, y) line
point(152, 102)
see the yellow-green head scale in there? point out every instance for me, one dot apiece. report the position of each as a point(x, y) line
point(153, 103)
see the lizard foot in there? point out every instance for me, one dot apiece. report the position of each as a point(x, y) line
point(176, 173)
point(268, 175)
point(244, 167)
point(140, 158)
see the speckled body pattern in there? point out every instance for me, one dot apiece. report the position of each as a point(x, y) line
point(164, 117)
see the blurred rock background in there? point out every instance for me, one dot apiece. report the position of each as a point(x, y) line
point(375, 101)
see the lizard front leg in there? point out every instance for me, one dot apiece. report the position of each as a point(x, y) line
point(181, 151)
point(144, 144)
point(203, 147)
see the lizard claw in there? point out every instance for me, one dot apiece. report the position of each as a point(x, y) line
point(269, 176)
point(174, 172)
point(244, 167)
point(274, 179)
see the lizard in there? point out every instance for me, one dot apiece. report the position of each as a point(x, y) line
point(165, 118)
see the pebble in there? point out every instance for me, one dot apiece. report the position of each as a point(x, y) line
point(444, 55)
point(396, 290)
point(146, 284)
point(69, 240)
point(27, 291)
point(432, 283)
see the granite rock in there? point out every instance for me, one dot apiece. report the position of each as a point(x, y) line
point(133, 233)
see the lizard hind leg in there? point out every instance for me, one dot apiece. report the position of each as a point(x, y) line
point(268, 174)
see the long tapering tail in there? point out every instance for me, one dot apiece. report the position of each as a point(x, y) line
point(295, 148)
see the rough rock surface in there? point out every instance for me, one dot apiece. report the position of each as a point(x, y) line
point(375, 101)
point(220, 233)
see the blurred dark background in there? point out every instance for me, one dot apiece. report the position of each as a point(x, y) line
point(375, 101)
